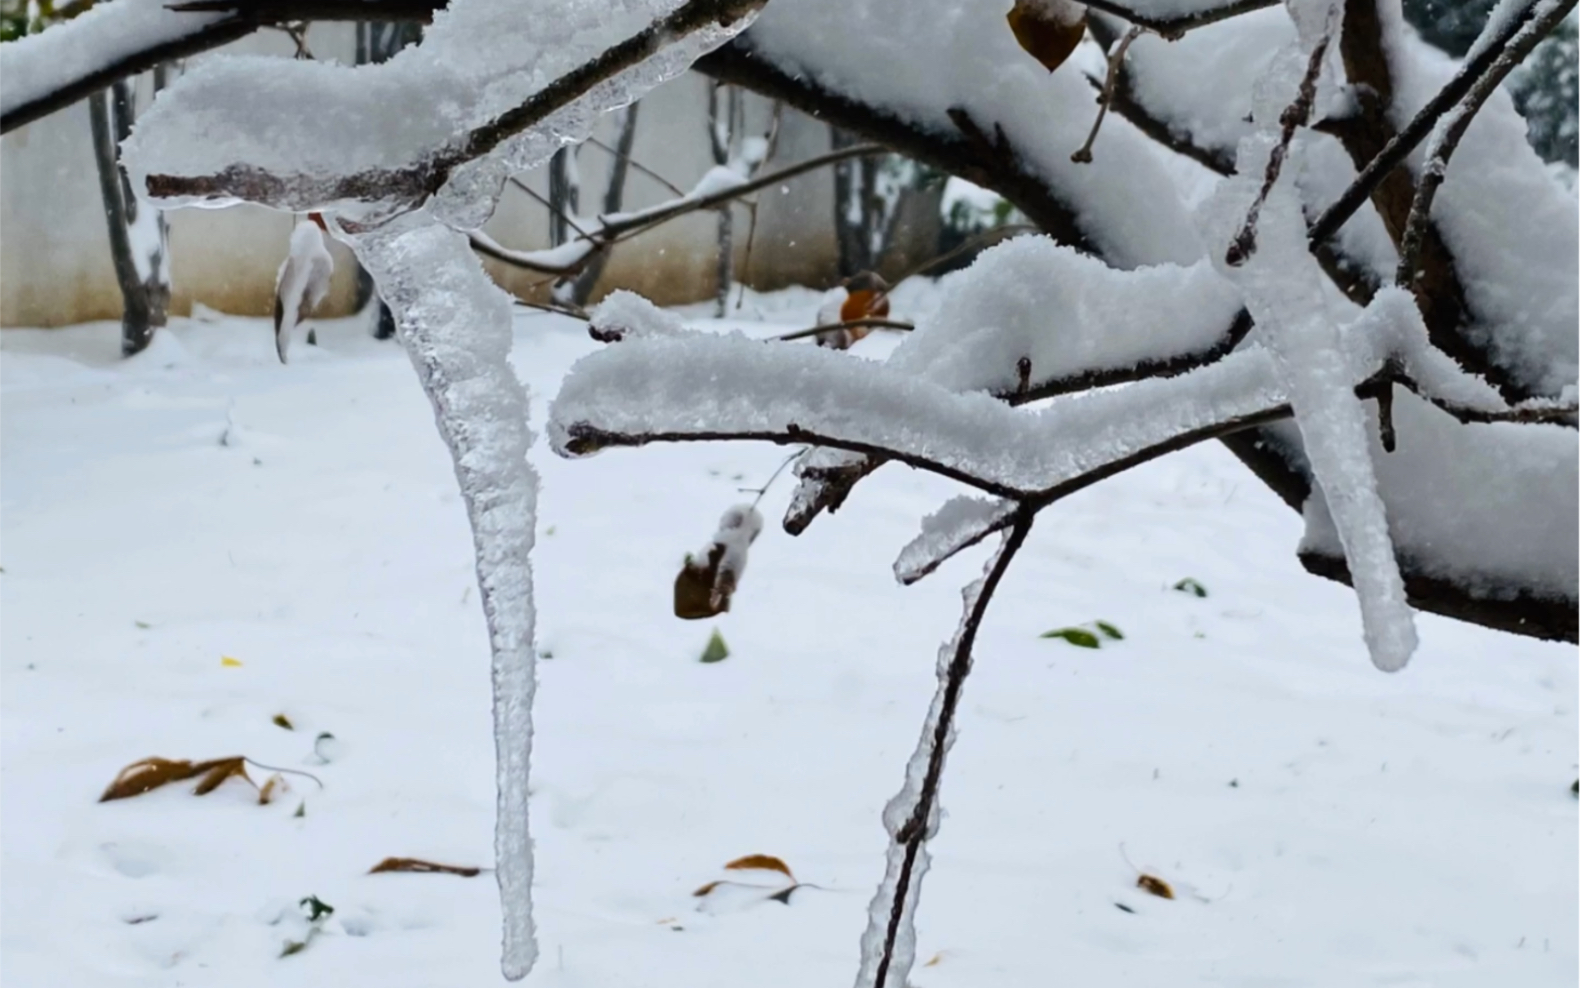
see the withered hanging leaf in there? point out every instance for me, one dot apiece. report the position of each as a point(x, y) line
point(694, 596)
point(1155, 886)
point(147, 774)
point(1049, 30)
point(217, 771)
point(280, 720)
point(421, 867)
point(761, 862)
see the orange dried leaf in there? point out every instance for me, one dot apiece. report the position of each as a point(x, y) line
point(421, 867)
point(708, 888)
point(1155, 886)
point(147, 774)
point(763, 862)
point(1049, 30)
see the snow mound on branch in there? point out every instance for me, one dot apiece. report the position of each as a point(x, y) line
point(626, 314)
point(39, 64)
point(919, 59)
point(478, 60)
point(731, 385)
point(1067, 313)
point(1513, 230)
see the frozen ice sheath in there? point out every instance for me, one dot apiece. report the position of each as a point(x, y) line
point(455, 324)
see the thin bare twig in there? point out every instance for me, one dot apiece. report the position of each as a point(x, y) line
point(1292, 119)
point(867, 321)
point(565, 217)
point(1116, 58)
point(628, 159)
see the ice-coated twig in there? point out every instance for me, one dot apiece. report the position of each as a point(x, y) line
point(456, 326)
point(1448, 132)
point(958, 525)
point(888, 947)
point(1295, 116)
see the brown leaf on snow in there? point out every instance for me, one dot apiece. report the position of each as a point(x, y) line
point(217, 771)
point(149, 773)
point(708, 888)
point(761, 862)
point(280, 720)
point(421, 867)
point(1155, 886)
point(694, 587)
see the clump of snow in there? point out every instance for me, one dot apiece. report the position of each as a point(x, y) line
point(1067, 313)
point(718, 179)
point(624, 314)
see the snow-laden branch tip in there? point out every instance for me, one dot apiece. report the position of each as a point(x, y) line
point(958, 525)
point(517, 82)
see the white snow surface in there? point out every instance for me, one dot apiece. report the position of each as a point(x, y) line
point(477, 60)
point(1067, 312)
point(38, 64)
point(1321, 824)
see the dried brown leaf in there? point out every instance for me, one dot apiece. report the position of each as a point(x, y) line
point(761, 862)
point(695, 596)
point(272, 786)
point(1155, 886)
point(421, 867)
point(1049, 30)
point(147, 774)
point(708, 888)
point(935, 960)
point(280, 720)
point(217, 771)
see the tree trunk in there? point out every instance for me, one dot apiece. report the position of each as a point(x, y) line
point(725, 124)
point(564, 195)
point(849, 210)
point(376, 41)
point(613, 202)
point(139, 236)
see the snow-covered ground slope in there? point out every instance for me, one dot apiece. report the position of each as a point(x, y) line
point(1322, 824)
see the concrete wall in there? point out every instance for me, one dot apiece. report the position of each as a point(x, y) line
point(55, 266)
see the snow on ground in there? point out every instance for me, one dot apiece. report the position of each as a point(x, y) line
point(1323, 824)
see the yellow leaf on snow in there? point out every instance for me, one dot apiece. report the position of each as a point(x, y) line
point(229, 662)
